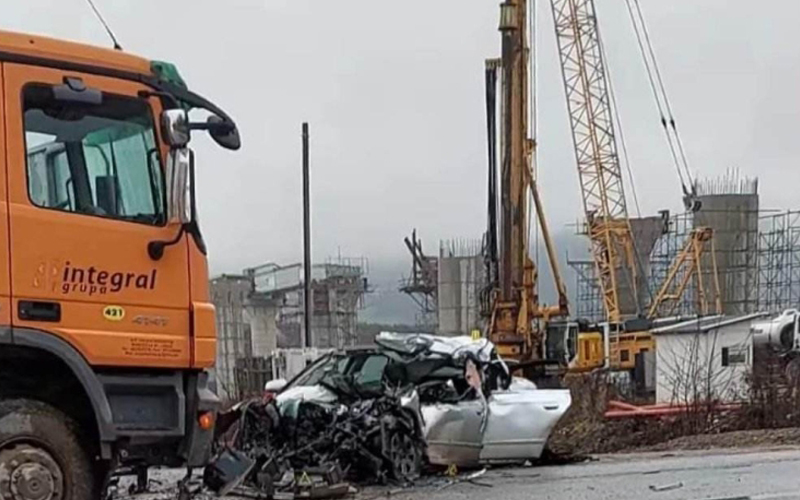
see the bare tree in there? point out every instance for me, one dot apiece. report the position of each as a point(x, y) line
point(690, 368)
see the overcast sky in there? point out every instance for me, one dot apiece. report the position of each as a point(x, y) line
point(393, 92)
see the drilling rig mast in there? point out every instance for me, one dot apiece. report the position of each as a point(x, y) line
point(515, 309)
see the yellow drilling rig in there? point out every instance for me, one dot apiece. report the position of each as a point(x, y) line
point(517, 317)
point(538, 335)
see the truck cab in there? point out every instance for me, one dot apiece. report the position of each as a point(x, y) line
point(106, 326)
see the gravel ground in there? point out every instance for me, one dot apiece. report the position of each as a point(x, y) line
point(735, 439)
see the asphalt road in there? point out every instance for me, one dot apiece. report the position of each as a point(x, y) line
point(721, 474)
point(718, 474)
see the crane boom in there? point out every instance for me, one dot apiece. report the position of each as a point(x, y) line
point(688, 265)
point(592, 124)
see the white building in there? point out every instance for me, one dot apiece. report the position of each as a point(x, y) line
point(704, 359)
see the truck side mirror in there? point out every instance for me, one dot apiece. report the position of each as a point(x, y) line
point(224, 133)
point(175, 127)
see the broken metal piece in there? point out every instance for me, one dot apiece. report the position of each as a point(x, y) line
point(227, 471)
point(666, 487)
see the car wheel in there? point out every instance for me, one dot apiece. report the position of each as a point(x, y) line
point(40, 454)
point(405, 453)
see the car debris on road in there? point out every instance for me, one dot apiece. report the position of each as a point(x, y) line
point(379, 415)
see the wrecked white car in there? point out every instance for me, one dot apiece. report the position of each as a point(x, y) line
point(469, 408)
point(380, 414)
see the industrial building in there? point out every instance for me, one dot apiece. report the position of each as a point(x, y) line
point(261, 310)
point(246, 335)
point(704, 359)
point(447, 288)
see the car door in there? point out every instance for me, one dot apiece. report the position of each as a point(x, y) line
point(520, 421)
point(86, 196)
point(453, 431)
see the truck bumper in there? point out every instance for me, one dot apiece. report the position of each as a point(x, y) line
point(155, 418)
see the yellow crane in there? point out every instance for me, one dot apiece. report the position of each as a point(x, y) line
point(688, 266)
point(613, 246)
point(599, 172)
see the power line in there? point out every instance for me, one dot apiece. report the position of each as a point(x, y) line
point(117, 46)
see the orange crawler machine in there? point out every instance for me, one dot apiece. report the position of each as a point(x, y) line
point(106, 329)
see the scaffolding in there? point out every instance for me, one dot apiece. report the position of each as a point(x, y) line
point(421, 286)
point(449, 288)
point(262, 309)
point(757, 253)
point(460, 283)
point(735, 234)
point(664, 253)
point(337, 294)
point(230, 293)
point(779, 261)
point(588, 298)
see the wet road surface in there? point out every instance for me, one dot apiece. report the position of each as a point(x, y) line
point(721, 474)
point(717, 474)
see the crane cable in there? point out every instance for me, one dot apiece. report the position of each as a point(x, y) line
point(660, 94)
point(678, 140)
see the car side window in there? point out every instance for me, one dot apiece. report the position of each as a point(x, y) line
point(371, 372)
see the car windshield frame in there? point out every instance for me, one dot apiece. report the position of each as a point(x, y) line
point(333, 369)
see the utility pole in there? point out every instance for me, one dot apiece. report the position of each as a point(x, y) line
point(306, 244)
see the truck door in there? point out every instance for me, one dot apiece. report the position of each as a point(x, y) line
point(86, 196)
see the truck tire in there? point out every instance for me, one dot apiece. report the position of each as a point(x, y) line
point(41, 457)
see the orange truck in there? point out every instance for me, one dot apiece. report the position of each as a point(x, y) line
point(106, 326)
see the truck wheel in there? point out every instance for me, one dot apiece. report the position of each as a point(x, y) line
point(40, 455)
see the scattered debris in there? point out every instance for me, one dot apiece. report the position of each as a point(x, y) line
point(468, 478)
point(666, 487)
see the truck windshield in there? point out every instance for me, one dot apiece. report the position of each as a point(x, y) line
point(95, 159)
